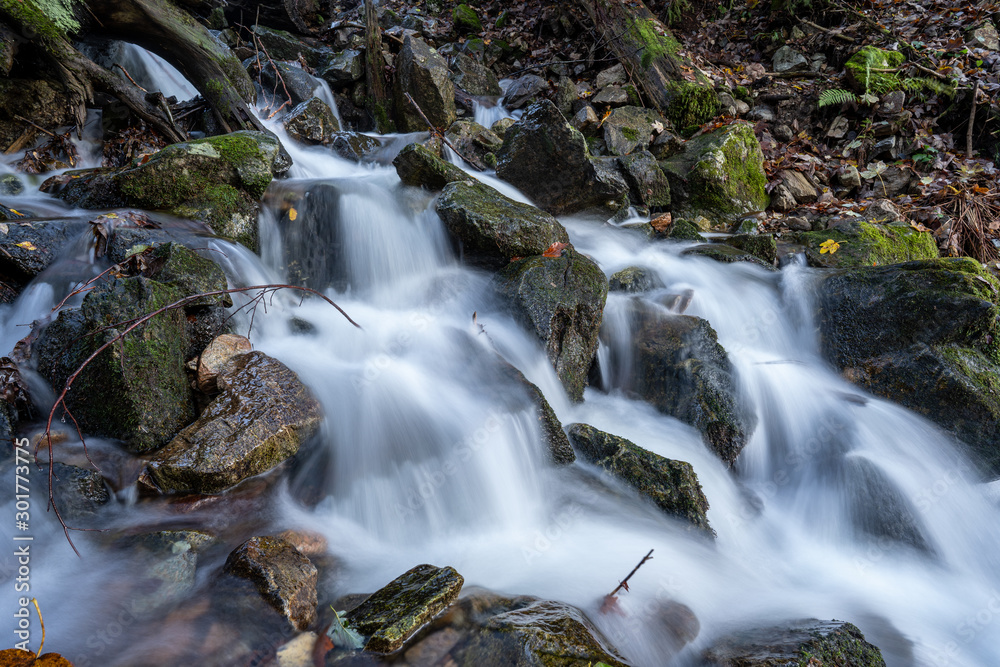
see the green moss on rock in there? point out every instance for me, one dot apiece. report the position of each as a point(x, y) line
point(868, 244)
point(863, 70)
point(691, 105)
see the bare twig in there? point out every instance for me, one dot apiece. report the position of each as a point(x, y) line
point(436, 132)
point(129, 76)
point(829, 31)
point(972, 121)
point(37, 127)
point(624, 582)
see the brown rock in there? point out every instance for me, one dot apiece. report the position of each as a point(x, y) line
point(218, 358)
point(282, 575)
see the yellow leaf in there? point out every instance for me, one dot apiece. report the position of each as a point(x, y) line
point(27, 245)
point(292, 214)
point(828, 246)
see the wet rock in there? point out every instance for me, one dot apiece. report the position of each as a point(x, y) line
point(263, 416)
point(719, 175)
point(863, 243)
point(923, 334)
point(761, 246)
point(671, 485)
point(167, 566)
point(787, 59)
point(10, 184)
point(524, 91)
point(390, 616)
point(276, 77)
point(354, 145)
point(419, 167)
point(218, 358)
point(556, 443)
point(190, 274)
point(422, 73)
point(283, 576)
point(490, 229)
point(540, 634)
point(726, 254)
point(145, 393)
point(344, 68)
point(562, 300)
point(680, 368)
point(79, 494)
point(475, 143)
point(219, 180)
point(10, 213)
point(475, 78)
point(283, 45)
point(628, 129)
point(648, 185)
point(685, 230)
point(635, 279)
point(312, 122)
point(879, 510)
point(28, 248)
point(547, 159)
point(821, 642)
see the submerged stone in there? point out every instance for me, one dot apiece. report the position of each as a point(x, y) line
point(284, 577)
point(800, 643)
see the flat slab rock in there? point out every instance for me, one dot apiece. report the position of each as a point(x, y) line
point(261, 418)
point(394, 613)
point(805, 642)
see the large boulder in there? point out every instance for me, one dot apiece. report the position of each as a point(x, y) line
point(719, 175)
point(562, 300)
point(282, 575)
point(474, 78)
point(423, 73)
point(547, 159)
point(144, 390)
point(394, 613)
point(679, 367)
point(416, 165)
point(648, 186)
point(671, 485)
point(489, 229)
point(219, 180)
point(540, 634)
point(924, 334)
point(806, 642)
point(262, 417)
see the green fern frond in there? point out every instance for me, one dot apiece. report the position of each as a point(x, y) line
point(836, 96)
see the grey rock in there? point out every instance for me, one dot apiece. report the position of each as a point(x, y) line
point(613, 95)
point(475, 78)
point(628, 129)
point(419, 167)
point(45, 240)
point(614, 75)
point(798, 186)
point(344, 68)
point(312, 122)
point(477, 144)
point(826, 641)
point(984, 37)
point(524, 90)
point(423, 73)
point(634, 280)
point(647, 183)
point(787, 59)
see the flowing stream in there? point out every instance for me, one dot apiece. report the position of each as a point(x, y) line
point(429, 454)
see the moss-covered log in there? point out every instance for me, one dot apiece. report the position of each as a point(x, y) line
point(649, 52)
point(157, 25)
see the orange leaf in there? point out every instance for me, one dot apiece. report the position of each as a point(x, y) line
point(555, 250)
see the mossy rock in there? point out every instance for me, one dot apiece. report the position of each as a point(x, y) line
point(691, 105)
point(553, 436)
point(79, 493)
point(562, 300)
point(541, 634)
point(146, 396)
point(189, 273)
point(761, 246)
point(476, 144)
point(634, 280)
point(394, 613)
point(417, 166)
point(219, 180)
point(727, 254)
point(863, 70)
point(805, 643)
point(867, 244)
point(684, 230)
point(924, 334)
point(648, 186)
point(670, 485)
point(719, 175)
point(262, 417)
point(489, 229)
point(466, 20)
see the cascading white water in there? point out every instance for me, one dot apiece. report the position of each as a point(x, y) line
point(433, 454)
